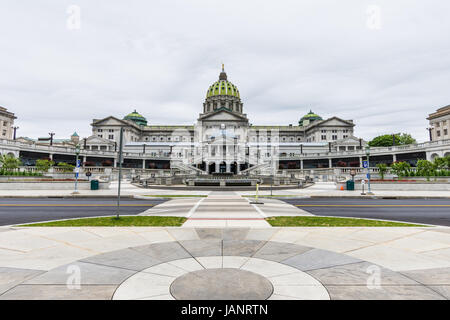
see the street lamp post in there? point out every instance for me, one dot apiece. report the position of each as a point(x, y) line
point(14, 134)
point(77, 168)
point(368, 170)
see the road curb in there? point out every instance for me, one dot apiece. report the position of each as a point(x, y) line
point(66, 196)
point(380, 197)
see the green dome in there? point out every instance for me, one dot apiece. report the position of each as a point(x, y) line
point(137, 118)
point(223, 87)
point(311, 116)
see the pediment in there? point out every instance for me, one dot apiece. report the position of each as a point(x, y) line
point(97, 140)
point(349, 140)
point(335, 121)
point(109, 121)
point(223, 115)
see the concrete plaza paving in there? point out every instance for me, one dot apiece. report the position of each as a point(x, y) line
point(281, 263)
point(225, 250)
point(225, 209)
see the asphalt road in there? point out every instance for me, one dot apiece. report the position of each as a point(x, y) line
point(428, 211)
point(23, 210)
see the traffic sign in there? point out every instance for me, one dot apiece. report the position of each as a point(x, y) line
point(365, 164)
point(368, 176)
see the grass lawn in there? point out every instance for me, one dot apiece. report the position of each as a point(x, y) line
point(333, 222)
point(126, 221)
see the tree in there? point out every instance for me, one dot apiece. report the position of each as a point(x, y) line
point(43, 165)
point(401, 169)
point(382, 167)
point(440, 163)
point(386, 140)
point(425, 168)
point(9, 162)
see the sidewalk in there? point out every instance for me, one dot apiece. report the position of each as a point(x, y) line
point(321, 189)
point(299, 263)
point(225, 209)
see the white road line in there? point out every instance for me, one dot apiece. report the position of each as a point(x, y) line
point(256, 208)
point(194, 208)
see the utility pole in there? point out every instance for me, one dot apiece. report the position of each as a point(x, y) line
point(14, 135)
point(120, 171)
point(51, 137)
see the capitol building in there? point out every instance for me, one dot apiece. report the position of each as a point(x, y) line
point(222, 141)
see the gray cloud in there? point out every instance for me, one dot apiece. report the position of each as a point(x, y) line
point(286, 57)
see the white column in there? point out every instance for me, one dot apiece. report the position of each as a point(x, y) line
point(301, 164)
point(330, 163)
point(394, 157)
point(228, 167)
point(238, 168)
point(143, 163)
point(217, 166)
point(360, 162)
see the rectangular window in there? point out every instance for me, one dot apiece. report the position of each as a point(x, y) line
point(100, 136)
point(111, 137)
point(438, 133)
point(445, 132)
point(345, 136)
point(324, 137)
point(111, 130)
point(334, 137)
point(100, 130)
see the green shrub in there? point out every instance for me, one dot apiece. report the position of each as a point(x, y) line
point(382, 169)
point(9, 162)
point(42, 165)
point(66, 166)
point(401, 169)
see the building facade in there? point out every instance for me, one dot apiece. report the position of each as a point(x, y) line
point(440, 124)
point(6, 123)
point(222, 140)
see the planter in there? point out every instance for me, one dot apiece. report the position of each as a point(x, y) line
point(49, 185)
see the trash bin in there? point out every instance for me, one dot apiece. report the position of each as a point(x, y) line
point(94, 184)
point(351, 185)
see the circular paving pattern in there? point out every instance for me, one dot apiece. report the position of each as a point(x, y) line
point(221, 284)
point(221, 264)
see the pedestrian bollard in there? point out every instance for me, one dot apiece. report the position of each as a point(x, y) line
point(363, 182)
point(256, 196)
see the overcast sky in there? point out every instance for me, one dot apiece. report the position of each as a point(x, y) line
point(387, 72)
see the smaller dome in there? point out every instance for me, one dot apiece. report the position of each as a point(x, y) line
point(308, 118)
point(137, 118)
